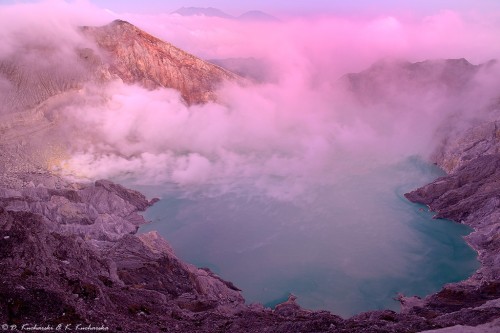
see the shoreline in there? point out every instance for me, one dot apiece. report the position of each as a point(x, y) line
point(429, 234)
point(210, 294)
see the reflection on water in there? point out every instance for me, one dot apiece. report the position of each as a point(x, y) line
point(346, 246)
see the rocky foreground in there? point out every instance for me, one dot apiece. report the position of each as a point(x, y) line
point(70, 255)
point(70, 258)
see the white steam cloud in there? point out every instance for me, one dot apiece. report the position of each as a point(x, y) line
point(301, 126)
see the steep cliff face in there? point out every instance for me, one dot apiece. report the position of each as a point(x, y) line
point(69, 255)
point(459, 149)
point(137, 57)
point(469, 195)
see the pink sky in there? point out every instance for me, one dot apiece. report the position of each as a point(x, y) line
point(284, 7)
point(306, 6)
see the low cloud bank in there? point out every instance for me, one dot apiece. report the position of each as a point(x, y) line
point(303, 126)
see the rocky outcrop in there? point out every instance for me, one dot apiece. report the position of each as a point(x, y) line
point(70, 255)
point(54, 275)
point(137, 57)
point(457, 150)
point(104, 211)
point(470, 195)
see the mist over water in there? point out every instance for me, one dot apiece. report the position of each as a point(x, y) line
point(347, 247)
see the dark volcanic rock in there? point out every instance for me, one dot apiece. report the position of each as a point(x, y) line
point(470, 195)
point(473, 189)
point(103, 211)
point(91, 274)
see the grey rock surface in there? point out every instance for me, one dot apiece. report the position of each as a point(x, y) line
point(482, 139)
point(470, 195)
point(97, 268)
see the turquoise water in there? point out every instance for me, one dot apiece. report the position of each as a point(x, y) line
point(348, 245)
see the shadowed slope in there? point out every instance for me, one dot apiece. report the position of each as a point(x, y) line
point(390, 81)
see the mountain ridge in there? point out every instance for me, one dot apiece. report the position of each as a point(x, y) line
point(138, 57)
point(251, 15)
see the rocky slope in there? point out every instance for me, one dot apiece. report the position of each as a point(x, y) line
point(470, 195)
point(118, 50)
point(70, 255)
point(137, 57)
point(480, 140)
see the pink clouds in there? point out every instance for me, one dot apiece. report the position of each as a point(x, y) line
point(335, 43)
point(271, 129)
point(300, 125)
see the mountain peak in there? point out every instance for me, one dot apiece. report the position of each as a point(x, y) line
point(257, 15)
point(120, 22)
point(252, 15)
point(138, 57)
